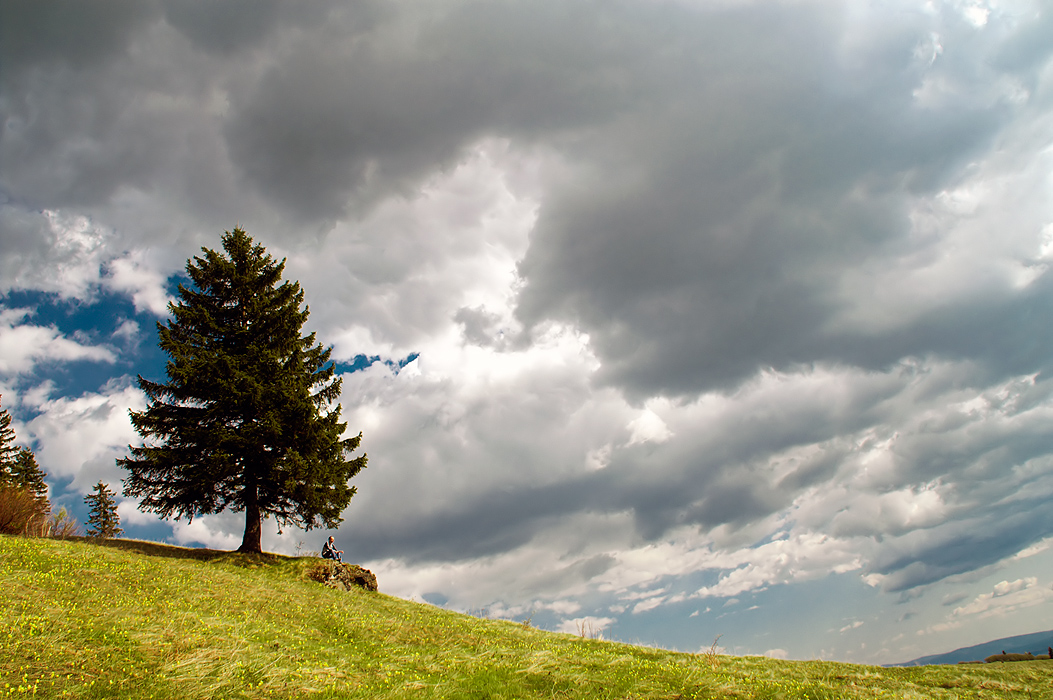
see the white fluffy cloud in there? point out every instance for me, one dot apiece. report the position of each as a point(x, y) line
point(420, 268)
point(1001, 602)
point(134, 276)
point(24, 345)
point(80, 438)
point(1007, 597)
point(53, 251)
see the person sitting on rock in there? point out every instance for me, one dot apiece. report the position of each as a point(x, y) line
point(329, 550)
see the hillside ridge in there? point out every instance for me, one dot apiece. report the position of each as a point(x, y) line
point(132, 619)
point(1035, 642)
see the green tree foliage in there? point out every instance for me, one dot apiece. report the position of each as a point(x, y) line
point(103, 520)
point(24, 505)
point(27, 474)
point(8, 450)
point(243, 421)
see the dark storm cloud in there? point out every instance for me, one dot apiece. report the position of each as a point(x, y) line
point(57, 101)
point(72, 33)
point(712, 475)
point(23, 232)
point(117, 99)
point(502, 520)
point(342, 120)
point(75, 126)
point(769, 448)
point(697, 257)
point(965, 545)
point(497, 522)
point(227, 26)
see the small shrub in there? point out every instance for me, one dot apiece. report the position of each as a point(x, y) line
point(712, 655)
point(60, 524)
point(21, 512)
point(586, 631)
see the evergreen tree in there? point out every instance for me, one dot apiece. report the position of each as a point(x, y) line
point(24, 504)
point(8, 451)
point(103, 520)
point(242, 422)
point(26, 474)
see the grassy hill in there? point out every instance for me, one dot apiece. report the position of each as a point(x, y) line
point(131, 619)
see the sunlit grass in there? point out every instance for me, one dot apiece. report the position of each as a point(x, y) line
point(139, 620)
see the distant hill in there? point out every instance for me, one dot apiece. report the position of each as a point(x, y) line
point(1035, 643)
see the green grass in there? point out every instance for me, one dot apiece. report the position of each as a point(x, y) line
point(125, 619)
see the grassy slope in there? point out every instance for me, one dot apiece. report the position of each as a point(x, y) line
point(137, 620)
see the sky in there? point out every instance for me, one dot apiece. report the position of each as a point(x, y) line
point(661, 319)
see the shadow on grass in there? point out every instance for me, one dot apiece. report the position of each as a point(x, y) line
point(171, 551)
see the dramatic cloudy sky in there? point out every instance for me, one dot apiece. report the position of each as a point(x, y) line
point(666, 318)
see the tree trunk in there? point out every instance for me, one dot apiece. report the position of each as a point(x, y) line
point(253, 523)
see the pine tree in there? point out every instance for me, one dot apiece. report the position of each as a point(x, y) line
point(103, 519)
point(26, 474)
point(8, 451)
point(24, 504)
point(242, 422)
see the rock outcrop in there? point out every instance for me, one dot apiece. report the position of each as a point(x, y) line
point(342, 576)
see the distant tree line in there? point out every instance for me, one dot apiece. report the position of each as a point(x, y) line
point(24, 505)
point(25, 508)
